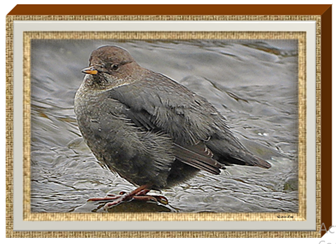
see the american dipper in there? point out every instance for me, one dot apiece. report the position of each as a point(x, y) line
point(151, 130)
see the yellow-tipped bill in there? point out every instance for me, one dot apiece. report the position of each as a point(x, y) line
point(90, 71)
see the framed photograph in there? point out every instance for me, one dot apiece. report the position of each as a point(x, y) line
point(188, 121)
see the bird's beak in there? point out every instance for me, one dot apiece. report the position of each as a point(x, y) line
point(90, 70)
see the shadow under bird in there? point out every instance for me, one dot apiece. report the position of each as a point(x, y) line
point(149, 129)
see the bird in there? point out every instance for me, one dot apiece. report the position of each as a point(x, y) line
point(149, 129)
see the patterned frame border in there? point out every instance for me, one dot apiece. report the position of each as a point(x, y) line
point(300, 216)
point(9, 134)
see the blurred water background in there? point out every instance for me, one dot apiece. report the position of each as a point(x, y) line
point(253, 83)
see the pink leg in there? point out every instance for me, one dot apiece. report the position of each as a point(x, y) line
point(139, 194)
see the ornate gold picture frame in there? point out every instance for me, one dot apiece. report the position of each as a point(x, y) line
point(310, 26)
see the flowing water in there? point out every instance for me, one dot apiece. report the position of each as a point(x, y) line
point(253, 83)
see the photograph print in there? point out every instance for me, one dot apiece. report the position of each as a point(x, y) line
point(190, 126)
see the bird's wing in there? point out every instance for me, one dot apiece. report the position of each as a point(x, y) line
point(170, 107)
point(196, 155)
point(161, 105)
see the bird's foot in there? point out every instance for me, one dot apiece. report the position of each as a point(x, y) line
point(139, 194)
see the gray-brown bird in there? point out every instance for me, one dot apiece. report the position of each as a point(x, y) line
point(151, 130)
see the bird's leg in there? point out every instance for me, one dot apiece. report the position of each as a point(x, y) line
point(133, 195)
point(142, 196)
point(122, 194)
point(160, 199)
point(139, 194)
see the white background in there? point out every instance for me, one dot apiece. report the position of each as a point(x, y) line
point(6, 6)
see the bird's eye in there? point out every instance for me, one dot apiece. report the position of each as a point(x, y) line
point(114, 66)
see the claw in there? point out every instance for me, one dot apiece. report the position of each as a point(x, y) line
point(162, 199)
